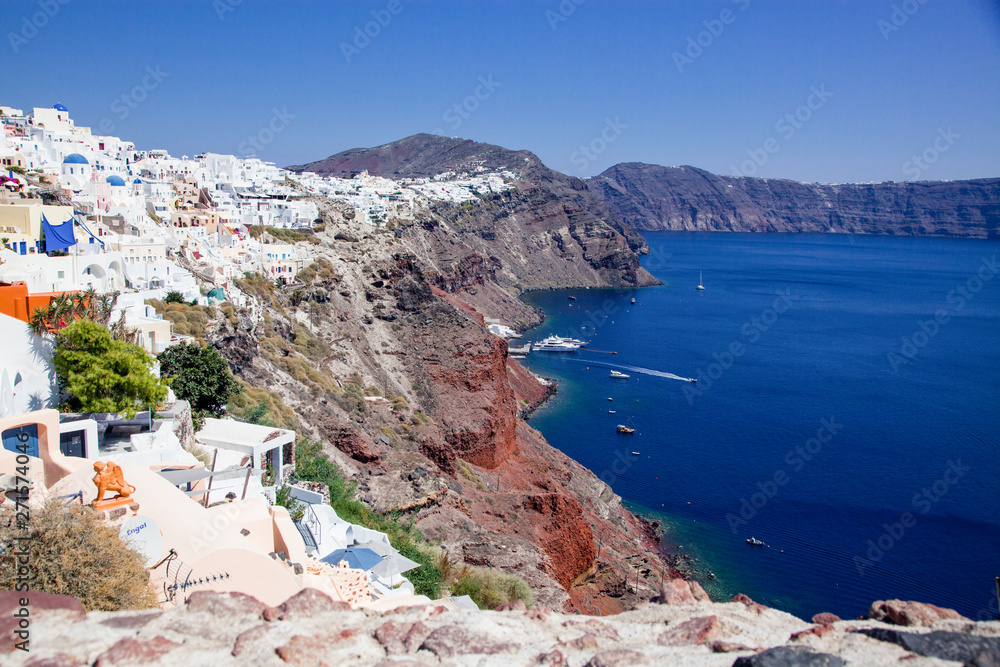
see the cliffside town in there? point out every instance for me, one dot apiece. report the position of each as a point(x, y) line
point(352, 296)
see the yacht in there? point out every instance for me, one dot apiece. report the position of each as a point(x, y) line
point(551, 344)
point(701, 282)
point(618, 374)
point(557, 344)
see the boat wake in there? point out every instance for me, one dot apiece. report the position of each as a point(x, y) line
point(633, 369)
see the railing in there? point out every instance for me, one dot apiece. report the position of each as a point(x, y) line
point(311, 521)
point(70, 497)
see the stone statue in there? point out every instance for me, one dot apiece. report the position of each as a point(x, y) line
point(109, 477)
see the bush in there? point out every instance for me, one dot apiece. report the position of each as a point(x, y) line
point(260, 406)
point(102, 374)
point(200, 376)
point(489, 589)
point(283, 497)
point(75, 553)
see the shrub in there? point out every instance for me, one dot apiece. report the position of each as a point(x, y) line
point(489, 589)
point(73, 552)
point(283, 497)
point(200, 376)
point(466, 471)
point(102, 374)
point(260, 406)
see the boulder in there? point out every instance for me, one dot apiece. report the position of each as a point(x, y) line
point(909, 613)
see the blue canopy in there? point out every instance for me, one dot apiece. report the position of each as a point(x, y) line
point(58, 237)
point(359, 559)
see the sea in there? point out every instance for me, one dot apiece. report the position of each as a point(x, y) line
point(846, 413)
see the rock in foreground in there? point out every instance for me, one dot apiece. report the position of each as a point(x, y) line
point(220, 629)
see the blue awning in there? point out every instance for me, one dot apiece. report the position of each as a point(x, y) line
point(58, 237)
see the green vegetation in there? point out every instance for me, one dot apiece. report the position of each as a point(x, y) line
point(103, 374)
point(283, 497)
point(177, 297)
point(260, 406)
point(188, 320)
point(490, 588)
point(68, 308)
point(199, 376)
point(257, 286)
point(74, 553)
point(437, 572)
point(321, 269)
point(313, 465)
point(466, 472)
point(286, 235)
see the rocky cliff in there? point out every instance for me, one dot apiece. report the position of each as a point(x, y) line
point(310, 629)
point(382, 355)
point(651, 197)
point(547, 231)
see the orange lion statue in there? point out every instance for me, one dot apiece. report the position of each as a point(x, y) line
point(109, 477)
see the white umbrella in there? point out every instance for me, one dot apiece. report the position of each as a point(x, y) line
point(393, 563)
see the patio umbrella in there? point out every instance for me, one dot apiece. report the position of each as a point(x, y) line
point(381, 548)
point(359, 559)
point(394, 564)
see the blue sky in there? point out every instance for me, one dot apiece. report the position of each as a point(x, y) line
point(839, 91)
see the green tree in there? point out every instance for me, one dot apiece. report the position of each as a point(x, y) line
point(103, 374)
point(200, 376)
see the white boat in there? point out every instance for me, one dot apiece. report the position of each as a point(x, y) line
point(618, 374)
point(700, 282)
point(633, 300)
point(558, 344)
point(571, 341)
point(549, 345)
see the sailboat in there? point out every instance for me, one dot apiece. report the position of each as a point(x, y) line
point(700, 281)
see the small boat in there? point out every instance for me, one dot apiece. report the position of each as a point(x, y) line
point(700, 282)
point(635, 453)
point(754, 542)
point(621, 428)
point(618, 374)
point(610, 399)
point(611, 412)
point(571, 298)
point(633, 299)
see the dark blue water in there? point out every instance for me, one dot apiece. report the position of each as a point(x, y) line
point(809, 428)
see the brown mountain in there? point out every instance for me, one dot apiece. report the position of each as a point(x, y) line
point(547, 220)
point(652, 197)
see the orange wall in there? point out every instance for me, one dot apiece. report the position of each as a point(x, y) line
point(17, 303)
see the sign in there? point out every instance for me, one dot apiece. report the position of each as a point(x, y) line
point(142, 534)
point(21, 440)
